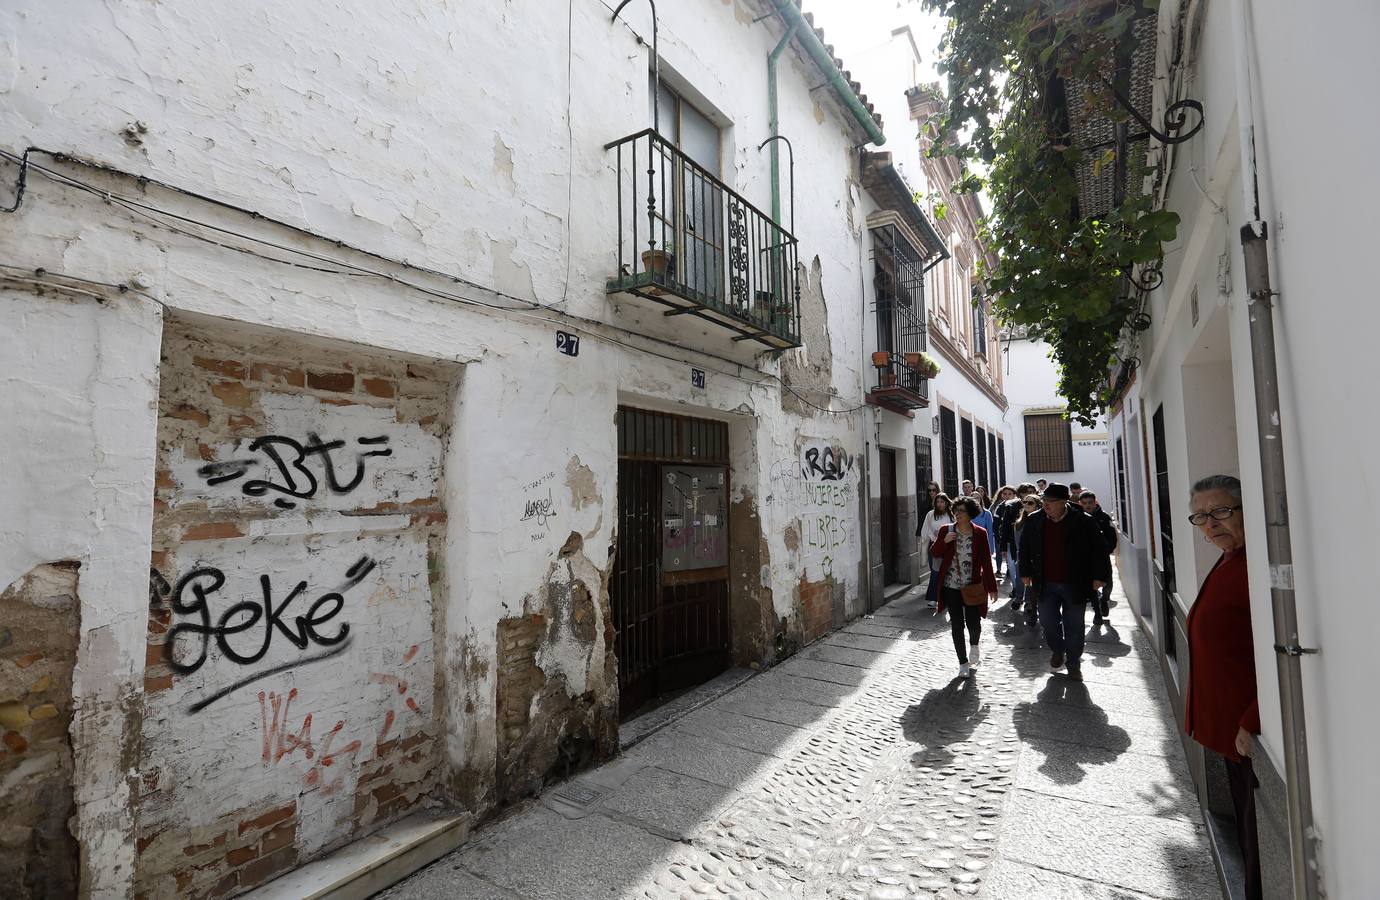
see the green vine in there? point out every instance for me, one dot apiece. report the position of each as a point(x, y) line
point(1061, 275)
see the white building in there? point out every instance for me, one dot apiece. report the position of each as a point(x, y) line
point(924, 251)
point(1281, 89)
point(1045, 442)
point(355, 451)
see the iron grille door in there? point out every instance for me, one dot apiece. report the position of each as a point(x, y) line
point(969, 471)
point(949, 447)
point(889, 513)
point(1165, 572)
point(997, 480)
point(924, 474)
point(636, 583)
point(1001, 458)
point(670, 593)
point(982, 460)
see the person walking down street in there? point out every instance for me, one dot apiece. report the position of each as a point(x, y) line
point(983, 518)
point(1005, 494)
point(1102, 599)
point(1004, 516)
point(940, 515)
point(1063, 557)
point(1041, 484)
point(966, 580)
point(982, 497)
point(1030, 505)
point(1221, 709)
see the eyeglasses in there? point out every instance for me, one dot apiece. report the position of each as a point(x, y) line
point(1221, 513)
point(1029, 503)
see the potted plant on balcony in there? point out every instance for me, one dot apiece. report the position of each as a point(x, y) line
point(929, 366)
point(881, 358)
point(660, 262)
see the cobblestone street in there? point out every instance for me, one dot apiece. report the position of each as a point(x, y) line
point(862, 768)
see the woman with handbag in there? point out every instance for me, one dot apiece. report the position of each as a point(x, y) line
point(967, 584)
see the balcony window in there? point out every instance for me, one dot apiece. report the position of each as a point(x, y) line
point(689, 242)
point(898, 281)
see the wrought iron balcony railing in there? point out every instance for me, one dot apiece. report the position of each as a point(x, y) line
point(687, 241)
point(898, 282)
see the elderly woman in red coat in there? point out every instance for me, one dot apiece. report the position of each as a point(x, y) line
point(964, 551)
point(1221, 709)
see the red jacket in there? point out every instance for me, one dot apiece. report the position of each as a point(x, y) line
point(982, 561)
point(1221, 696)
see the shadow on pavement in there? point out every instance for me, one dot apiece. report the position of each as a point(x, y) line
point(944, 716)
point(1065, 725)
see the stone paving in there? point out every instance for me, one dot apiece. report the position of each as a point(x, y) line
point(863, 768)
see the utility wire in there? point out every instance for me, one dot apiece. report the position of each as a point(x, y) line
point(153, 213)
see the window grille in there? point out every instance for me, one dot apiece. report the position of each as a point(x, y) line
point(1048, 443)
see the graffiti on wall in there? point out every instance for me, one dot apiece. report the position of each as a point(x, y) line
point(538, 507)
point(259, 621)
point(286, 459)
point(819, 487)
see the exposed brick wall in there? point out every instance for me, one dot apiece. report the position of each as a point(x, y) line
point(329, 751)
point(39, 618)
point(816, 608)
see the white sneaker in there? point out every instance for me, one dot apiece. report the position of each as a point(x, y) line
point(974, 656)
point(933, 604)
point(963, 671)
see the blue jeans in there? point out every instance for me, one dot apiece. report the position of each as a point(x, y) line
point(1062, 611)
point(1017, 586)
point(932, 589)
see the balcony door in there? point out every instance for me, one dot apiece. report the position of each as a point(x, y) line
point(695, 199)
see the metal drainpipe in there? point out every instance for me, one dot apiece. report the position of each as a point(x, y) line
point(822, 58)
point(1278, 546)
point(773, 121)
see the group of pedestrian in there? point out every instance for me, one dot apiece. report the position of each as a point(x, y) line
point(1054, 542)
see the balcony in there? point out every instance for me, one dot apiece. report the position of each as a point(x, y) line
point(688, 242)
point(898, 284)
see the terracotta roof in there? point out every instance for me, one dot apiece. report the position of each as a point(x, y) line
point(838, 64)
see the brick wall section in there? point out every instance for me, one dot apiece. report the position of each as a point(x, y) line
point(816, 608)
point(211, 388)
point(240, 851)
point(38, 649)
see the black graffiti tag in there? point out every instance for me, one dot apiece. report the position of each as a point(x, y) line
point(191, 598)
point(830, 465)
point(286, 459)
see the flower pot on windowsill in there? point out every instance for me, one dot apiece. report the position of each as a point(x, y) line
point(881, 359)
point(888, 379)
point(659, 263)
point(915, 361)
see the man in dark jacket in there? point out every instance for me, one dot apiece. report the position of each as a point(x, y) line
point(1063, 558)
point(1100, 600)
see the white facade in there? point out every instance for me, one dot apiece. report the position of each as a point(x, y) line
point(1032, 386)
point(468, 149)
point(1308, 76)
point(970, 383)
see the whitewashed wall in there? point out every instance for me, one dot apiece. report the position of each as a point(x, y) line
point(1032, 382)
point(1309, 75)
point(431, 135)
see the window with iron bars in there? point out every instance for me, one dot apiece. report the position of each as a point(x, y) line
point(899, 286)
point(1048, 443)
point(979, 329)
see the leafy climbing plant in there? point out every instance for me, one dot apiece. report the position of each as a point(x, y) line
point(1062, 275)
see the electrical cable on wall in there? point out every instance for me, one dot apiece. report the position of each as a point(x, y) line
point(160, 217)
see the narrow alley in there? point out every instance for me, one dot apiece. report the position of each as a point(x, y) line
point(862, 768)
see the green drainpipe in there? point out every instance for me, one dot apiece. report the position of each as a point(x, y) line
point(794, 20)
point(771, 111)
